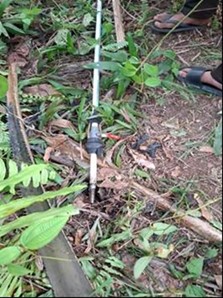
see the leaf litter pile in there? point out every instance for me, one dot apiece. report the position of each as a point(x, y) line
point(154, 229)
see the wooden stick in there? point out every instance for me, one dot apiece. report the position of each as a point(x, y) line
point(197, 225)
point(119, 27)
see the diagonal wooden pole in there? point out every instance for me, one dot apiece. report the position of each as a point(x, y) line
point(119, 27)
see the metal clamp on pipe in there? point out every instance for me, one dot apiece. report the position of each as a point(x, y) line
point(94, 143)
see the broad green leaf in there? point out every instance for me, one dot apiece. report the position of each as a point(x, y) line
point(120, 56)
point(129, 70)
point(163, 229)
point(3, 86)
point(13, 207)
point(194, 291)
point(2, 170)
point(88, 18)
point(153, 82)
point(141, 265)
point(218, 139)
point(195, 267)
point(61, 37)
point(146, 233)
point(170, 54)
point(212, 253)
point(9, 254)
point(30, 219)
point(152, 70)
point(18, 270)
point(43, 232)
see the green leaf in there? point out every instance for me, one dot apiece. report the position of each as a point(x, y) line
point(163, 229)
point(132, 46)
point(129, 70)
point(88, 18)
point(12, 181)
point(141, 265)
point(61, 37)
point(3, 5)
point(170, 54)
point(9, 254)
point(13, 207)
point(18, 270)
point(30, 219)
point(153, 82)
point(126, 235)
point(212, 253)
point(152, 70)
point(110, 66)
point(2, 170)
point(195, 267)
point(13, 29)
point(3, 86)
point(218, 139)
point(142, 174)
point(43, 232)
point(194, 291)
point(3, 30)
point(12, 168)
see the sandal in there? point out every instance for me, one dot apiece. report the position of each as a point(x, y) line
point(182, 27)
point(193, 79)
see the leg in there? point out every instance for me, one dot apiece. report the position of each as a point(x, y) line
point(200, 17)
point(204, 11)
point(217, 74)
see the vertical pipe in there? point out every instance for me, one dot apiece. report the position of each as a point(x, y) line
point(96, 78)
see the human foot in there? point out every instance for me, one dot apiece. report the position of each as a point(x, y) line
point(205, 78)
point(166, 21)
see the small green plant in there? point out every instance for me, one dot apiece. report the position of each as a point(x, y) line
point(16, 21)
point(29, 233)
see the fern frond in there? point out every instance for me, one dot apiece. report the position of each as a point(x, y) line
point(10, 176)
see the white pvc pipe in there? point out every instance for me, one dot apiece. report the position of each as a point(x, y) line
point(96, 78)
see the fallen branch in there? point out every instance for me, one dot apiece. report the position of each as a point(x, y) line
point(119, 27)
point(197, 225)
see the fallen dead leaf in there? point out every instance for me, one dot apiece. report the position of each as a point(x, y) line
point(141, 160)
point(205, 213)
point(218, 279)
point(176, 172)
point(47, 154)
point(41, 90)
point(206, 149)
point(78, 237)
point(61, 123)
point(105, 173)
point(172, 123)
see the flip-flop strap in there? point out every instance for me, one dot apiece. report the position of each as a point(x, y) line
point(181, 25)
point(195, 74)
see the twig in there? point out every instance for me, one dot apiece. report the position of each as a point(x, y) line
point(197, 225)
